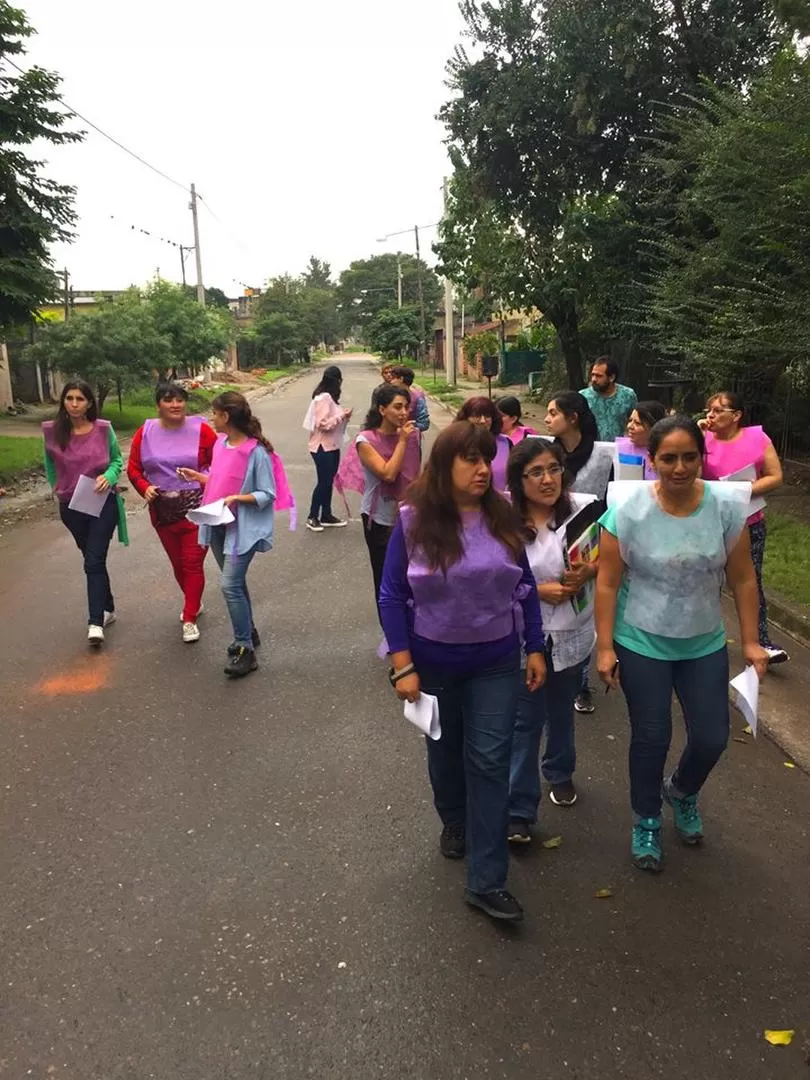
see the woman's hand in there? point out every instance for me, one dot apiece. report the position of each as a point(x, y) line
point(555, 593)
point(102, 483)
point(409, 687)
point(579, 575)
point(756, 656)
point(607, 664)
point(151, 493)
point(229, 500)
point(407, 429)
point(190, 475)
point(704, 424)
point(535, 671)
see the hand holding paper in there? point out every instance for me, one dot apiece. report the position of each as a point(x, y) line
point(746, 695)
point(424, 714)
point(215, 513)
point(86, 499)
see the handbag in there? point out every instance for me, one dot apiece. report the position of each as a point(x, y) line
point(172, 506)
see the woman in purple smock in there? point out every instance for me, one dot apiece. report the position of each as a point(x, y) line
point(482, 411)
point(457, 600)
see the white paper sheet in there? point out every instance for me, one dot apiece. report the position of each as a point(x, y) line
point(86, 499)
point(424, 714)
point(746, 694)
point(215, 513)
point(749, 474)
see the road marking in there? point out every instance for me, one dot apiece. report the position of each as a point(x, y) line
point(88, 675)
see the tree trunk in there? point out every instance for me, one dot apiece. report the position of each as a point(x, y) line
point(102, 390)
point(566, 322)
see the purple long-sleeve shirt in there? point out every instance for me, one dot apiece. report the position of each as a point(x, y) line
point(396, 613)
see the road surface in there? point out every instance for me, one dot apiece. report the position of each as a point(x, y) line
point(206, 880)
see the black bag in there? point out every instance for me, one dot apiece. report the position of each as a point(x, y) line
point(172, 506)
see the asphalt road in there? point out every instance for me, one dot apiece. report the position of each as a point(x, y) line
point(205, 880)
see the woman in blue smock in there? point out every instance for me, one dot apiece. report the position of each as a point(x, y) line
point(663, 554)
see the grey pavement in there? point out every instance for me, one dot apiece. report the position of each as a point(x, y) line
point(205, 880)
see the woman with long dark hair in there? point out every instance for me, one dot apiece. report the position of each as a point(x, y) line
point(78, 444)
point(482, 411)
point(540, 490)
point(326, 423)
point(162, 445)
point(382, 462)
point(511, 416)
point(455, 571)
point(242, 476)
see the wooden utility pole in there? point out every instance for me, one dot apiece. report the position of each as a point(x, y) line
point(193, 208)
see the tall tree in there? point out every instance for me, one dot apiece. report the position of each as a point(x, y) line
point(395, 331)
point(34, 210)
point(318, 274)
point(369, 286)
point(194, 333)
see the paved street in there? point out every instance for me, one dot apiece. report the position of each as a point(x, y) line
point(205, 880)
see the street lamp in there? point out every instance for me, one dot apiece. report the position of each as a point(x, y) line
point(420, 286)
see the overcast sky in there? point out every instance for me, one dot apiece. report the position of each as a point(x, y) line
point(308, 126)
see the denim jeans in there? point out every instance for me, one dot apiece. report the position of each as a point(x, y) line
point(93, 536)
point(702, 688)
point(469, 765)
point(549, 709)
point(234, 586)
point(326, 467)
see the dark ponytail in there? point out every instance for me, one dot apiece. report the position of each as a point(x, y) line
point(239, 414)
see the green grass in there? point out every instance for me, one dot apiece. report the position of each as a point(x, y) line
point(787, 558)
point(19, 454)
point(274, 374)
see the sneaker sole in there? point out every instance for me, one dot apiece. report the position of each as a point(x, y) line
point(777, 660)
point(191, 640)
point(519, 839)
point(452, 854)
point(241, 674)
point(648, 864)
point(334, 524)
point(312, 528)
point(583, 711)
point(690, 839)
point(474, 900)
point(95, 643)
point(562, 802)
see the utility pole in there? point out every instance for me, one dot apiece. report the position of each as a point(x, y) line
point(399, 280)
point(200, 286)
point(422, 327)
point(66, 292)
point(449, 327)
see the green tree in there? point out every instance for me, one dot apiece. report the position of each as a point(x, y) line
point(116, 346)
point(318, 274)
point(34, 211)
point(194, 333)
point(213, 297)
point(369, 286)
point(395, 332)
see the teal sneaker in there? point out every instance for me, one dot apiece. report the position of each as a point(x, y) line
point(646, 847)
point(687, 818)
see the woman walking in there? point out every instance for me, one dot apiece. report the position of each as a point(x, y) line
point(326, 422)
point(540, 493)
point(381, 464)
point(160, 447)
point(454, 573)
point(731, 448)
point(511, 415)
point(482, 411)
point(663, 555)
point(242, 476)
point(77, 445)
point(639, 425)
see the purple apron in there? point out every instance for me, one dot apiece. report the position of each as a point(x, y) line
point(165, 450)
point(84, 455)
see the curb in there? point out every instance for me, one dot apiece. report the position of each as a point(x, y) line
point(788, 619)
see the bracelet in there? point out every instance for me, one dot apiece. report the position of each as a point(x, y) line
point(395, 676)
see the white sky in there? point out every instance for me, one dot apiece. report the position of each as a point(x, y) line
point(307, 126)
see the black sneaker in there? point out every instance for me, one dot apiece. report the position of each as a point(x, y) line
point(583, 703)
point(333, 523)
point(452, 842)
point(519, 832)
point(563, 794)
point(498, 905)
point(242, 664)
point(775, 654)
point(233, 648)
point(314, 525)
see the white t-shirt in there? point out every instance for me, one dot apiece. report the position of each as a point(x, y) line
point(379, 508)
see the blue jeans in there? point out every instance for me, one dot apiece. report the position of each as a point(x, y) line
point(234, 586)
point(93, 536)
point(549, 709)
point(702, 689)
point(469, 765)
point(326, 467)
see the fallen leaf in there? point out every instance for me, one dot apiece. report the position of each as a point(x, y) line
point(789, 765)
point(779, 1038)
point(748, 730)
point(743, 741)
point(552, 842)
point(603, 894)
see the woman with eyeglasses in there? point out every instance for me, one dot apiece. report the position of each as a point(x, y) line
point(730, 448)
point(482, 411)
point(540, 489)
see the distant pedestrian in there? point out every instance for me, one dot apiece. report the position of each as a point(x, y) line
point(419, 413)
point(383, 461)
point(78, 444)
point(540, 494)
point(242, 476)
point(610, 402)
point(483, 412)
point(664, 554)
point(639, 425)
point(387, 371)
point(511, 415)
point(326, 422)
point(160, 447)
point(730, 447)
point(455, 570)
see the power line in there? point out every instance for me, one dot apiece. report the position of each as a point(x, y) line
point(114, 141)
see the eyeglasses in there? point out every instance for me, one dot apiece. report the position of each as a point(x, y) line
point(537, 474)
point(715, 410)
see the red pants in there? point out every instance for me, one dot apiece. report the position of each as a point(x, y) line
point(186, 557)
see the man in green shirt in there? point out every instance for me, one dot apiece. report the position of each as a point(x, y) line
point(610, 402)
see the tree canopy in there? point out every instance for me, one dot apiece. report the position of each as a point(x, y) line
point(369, 287)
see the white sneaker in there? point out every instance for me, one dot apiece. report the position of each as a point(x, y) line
point(191, 632)
point(109, 618)
point(95, 635)
point(776, 655)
